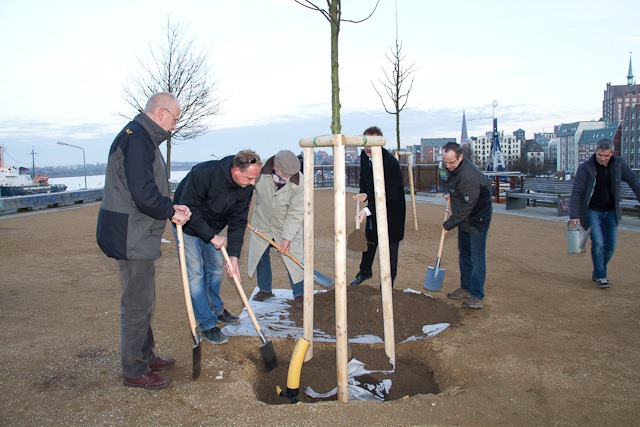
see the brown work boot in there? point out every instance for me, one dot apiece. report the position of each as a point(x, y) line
point(160, 364)
point(262, 295)
point(150, 381)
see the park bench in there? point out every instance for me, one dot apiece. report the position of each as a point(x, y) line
point(557, 192)
point(540, 190)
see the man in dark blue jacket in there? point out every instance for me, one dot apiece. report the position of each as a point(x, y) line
point(218, 193)
point(471, 209)
point(132, 217)
point(595, 203)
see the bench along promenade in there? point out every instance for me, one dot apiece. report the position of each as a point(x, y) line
point(556, 192)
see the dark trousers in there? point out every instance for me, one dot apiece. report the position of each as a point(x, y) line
point(369, 255)
point(137, 278)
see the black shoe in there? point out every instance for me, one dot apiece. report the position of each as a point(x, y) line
point(227, 318)
point(215, 336)
point(359, 279)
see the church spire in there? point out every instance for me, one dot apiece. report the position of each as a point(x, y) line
point(463, 136)
point(630, 80)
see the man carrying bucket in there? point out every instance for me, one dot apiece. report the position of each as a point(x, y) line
point(595, 203)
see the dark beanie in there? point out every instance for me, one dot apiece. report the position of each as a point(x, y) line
point(287, 162)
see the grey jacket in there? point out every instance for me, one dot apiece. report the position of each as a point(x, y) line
point(136, 203)
point(585, 182)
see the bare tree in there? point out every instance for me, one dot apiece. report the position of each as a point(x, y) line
point(394, 81)
point(175, 65)
point(334, 15)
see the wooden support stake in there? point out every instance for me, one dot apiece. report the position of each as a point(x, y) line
point(309, 219)
point(383, 248)
point(411, 188)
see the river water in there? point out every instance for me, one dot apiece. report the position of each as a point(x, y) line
point(97, 181)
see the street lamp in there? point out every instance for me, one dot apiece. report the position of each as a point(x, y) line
point(84, 162)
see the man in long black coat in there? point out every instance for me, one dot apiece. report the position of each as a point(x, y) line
point(396, 208)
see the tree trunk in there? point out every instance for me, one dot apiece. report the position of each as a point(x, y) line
point(334, 12)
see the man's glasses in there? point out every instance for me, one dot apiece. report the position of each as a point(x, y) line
point(175, 119)
point(452, 161)
point(248, 162)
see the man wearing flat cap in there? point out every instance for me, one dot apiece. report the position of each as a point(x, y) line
point(278, 213)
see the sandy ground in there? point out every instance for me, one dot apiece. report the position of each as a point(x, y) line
point(549, 348)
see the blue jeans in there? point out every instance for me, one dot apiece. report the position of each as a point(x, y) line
point(263, 272)
point(137, 278)
point(473, 265)
point(604, 234)
point(204, 269)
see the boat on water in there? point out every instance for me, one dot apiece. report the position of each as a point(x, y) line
point(18, 182)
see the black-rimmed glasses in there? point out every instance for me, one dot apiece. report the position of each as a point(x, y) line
point(175, 119)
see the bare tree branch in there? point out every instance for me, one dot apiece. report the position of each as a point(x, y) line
point(393, 84)
point(334, 15)
point(175, 65)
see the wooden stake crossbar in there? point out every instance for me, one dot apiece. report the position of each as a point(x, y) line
point(338, 142)
point(411, 189)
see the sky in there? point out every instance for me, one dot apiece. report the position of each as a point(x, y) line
point(544, 62)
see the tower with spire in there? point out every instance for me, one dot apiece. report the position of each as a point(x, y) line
point(618, 97)
point(630, 80)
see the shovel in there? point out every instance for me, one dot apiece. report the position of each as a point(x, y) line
point(435, 275)
point(266, 348)
point(318, 277)
point(197, 351)
point(357, 241)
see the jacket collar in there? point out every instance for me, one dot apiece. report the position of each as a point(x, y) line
point(267, 168)
point(157, 134)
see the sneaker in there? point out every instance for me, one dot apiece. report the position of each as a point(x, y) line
point(603, 283)
point(227, 318)
point(262, 295)
point(473, 302)
point(215, 336)
point(459, 294)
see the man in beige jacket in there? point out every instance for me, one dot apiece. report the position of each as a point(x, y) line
point(278, 213)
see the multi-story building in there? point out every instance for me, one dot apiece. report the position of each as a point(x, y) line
point(510, 145)
point(431, 149)
point(547, 140)
point(589, 139)
point(630, 136)
point(568, 136)
point(534, 152)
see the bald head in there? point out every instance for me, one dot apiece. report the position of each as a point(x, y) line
point(164, 109)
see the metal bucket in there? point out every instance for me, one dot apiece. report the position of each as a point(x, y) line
point(577, 238)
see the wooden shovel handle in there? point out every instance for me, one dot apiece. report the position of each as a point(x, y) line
point(185, 282)
point(446, 215)
point(243, 296)
point(275, 245)
point(357, 212)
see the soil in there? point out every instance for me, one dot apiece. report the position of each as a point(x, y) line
point(549, 347)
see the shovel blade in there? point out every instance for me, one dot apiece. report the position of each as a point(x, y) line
point(269, 356)
point(321, 279)
point(197, 357)
point(433, 280)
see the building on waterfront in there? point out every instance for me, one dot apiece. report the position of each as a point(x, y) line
point(510, 145)
point(568, 136)
point(589, 139)
point(630, 136)
point(431, 149)
point(617, 98)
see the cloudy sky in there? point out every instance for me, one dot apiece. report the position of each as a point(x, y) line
point(545, 62)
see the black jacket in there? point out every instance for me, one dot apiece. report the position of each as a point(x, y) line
point(585, 181)
point(216, 201)
point(470, 196)
point(136, 203)
point(394, 193)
